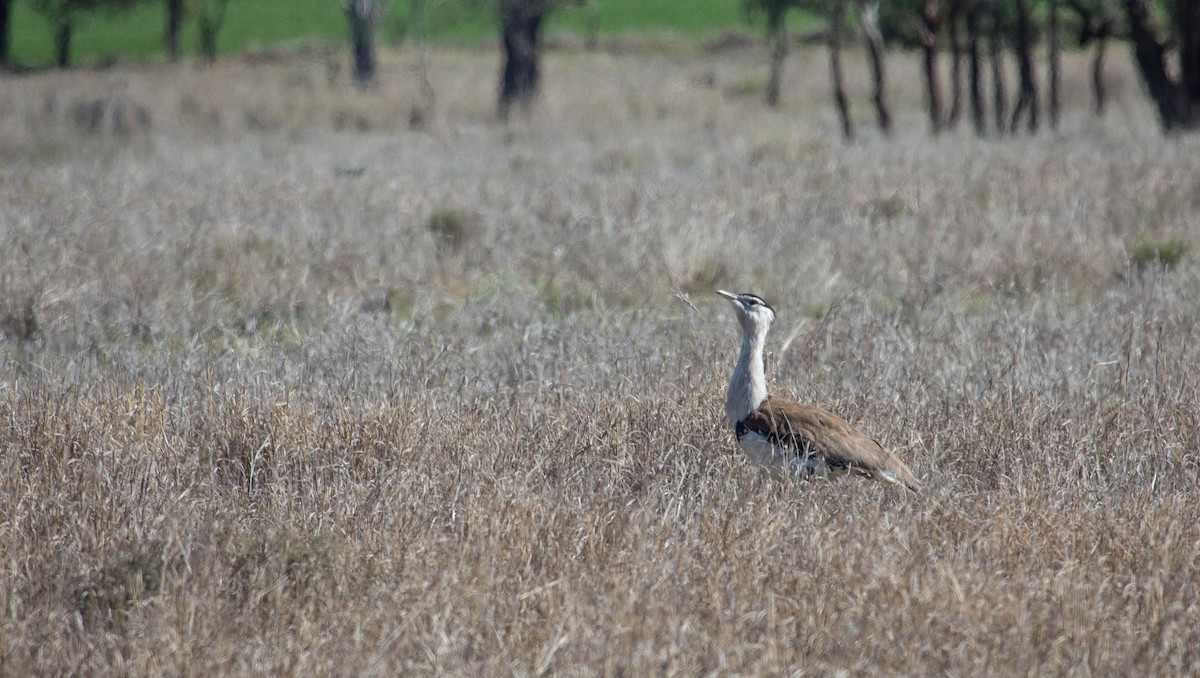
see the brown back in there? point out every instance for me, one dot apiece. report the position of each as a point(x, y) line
point(811, 430)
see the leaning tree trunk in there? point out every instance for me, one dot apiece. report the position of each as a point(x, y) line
point(1178, 100)
point(836, 20)
point(928, 27)
point(868, 13)
point(1027, 101)
point(174, 26)
point(520, 26)
point(778, 41)
point(62, 43)
point(1055, 65)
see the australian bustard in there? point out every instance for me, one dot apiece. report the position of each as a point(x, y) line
point(785, 436)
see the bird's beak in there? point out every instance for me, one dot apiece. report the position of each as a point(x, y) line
point(728, 295)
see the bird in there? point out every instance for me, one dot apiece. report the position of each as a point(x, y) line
point(787, 437)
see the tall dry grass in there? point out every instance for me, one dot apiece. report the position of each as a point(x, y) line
point(257, 416)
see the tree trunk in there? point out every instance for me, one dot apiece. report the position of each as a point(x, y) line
point(1178, 101)
point(208, 22)
point(957, 51)
point(1027, 101)
point(364, 17)
point(974, 70)
point(5, 48)
point(835, 69)
point(208, 41)
point(778, 42)
point(1099, 93)
point(996, 46)
point(868, 12)
point(62, 43)
point(928, 27)
point(1187, 30)
point(174, 26)
point(520, 27)
point(1055, 63)
point(1095, 25)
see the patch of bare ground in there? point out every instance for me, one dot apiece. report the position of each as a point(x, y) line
point(296, 382)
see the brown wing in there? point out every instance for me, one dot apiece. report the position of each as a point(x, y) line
point(812, 430)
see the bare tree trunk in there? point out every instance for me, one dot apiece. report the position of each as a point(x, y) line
point(420, 113)
point(868, 12)
point(1095, 25)
point(1099, 93)
point(1178, 101)
point(999, 95)
point(364, 17)
point(520, 26)
point(975, 66)
point(5, 45)
point(209, 19)
point(957, 51)
point(1027, 100)
point(778, 42)
point(174, 26)
point(1187, 28)
point(928, 26)
point(62, 43)
point(836, 20)
point(1055, 63)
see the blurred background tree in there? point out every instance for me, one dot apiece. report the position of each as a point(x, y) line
point(365, 17)
point(521, 41)
point(1175, 91)
point(776, 12)
point(987, 42)
point(63, 14)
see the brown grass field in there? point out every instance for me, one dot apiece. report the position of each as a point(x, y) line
point(297, 379)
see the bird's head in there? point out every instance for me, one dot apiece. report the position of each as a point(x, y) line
point(754, 314)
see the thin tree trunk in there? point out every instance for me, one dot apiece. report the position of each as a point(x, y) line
point(1027, 100)
point(868, 12)
point(957, 51)
point(62, 43)
point(835, 68)
point(1055, 63)
point(1099, 93)
point(208, 23)
point(778, 42)
point(1095, 25)
point(521, 24)
point(5, 48)
point(928, 27)
point(174, 26)
point(975, 66)
point(999, 95)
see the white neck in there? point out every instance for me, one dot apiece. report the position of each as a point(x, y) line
point(748, 385)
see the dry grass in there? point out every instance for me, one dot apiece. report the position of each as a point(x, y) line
point(257, 418)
